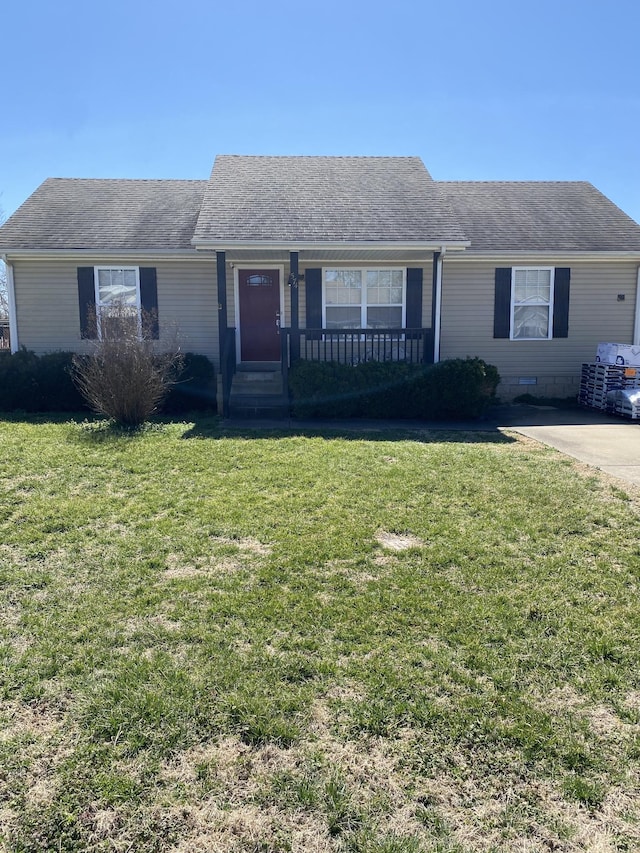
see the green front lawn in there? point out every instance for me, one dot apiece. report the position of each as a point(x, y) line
point(368, 643)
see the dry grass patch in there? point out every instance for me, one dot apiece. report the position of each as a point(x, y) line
point(33, 720)
point(244, 553)
point(398, 541)
point(385, 560)
point(492, 813)
point(354, 571)
point(286, 799)
point(602, 720)
point(250, 828)
point(632, 700)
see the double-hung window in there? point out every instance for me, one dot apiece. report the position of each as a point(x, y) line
point(532, 303)
point(364, 298)
point(117, 300)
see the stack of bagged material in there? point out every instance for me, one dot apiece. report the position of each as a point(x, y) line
point(627, 355)
point(625, 402)
point(599, 380)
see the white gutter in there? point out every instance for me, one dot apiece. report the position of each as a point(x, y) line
point(11, 296)
point(438, 295)
point(140, 254)
point(225, 245)
point(474, 255)
point(636, 325)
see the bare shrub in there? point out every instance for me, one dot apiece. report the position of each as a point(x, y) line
point(124, 377)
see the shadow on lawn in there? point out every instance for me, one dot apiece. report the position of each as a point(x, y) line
point(92, 429)
point(355, 430)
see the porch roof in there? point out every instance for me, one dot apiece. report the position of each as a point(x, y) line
point(373, 202)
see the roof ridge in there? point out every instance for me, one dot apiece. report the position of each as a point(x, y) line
point(322, 156)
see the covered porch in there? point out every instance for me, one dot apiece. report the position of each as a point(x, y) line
point(277, 306)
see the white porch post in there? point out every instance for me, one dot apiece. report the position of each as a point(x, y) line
point(11, 297)
point(636, 325)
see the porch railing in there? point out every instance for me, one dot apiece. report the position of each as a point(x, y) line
point(353, 346)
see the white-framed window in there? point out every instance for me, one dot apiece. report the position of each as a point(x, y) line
point(117, 297)
point(532, 303)
point(364, 298)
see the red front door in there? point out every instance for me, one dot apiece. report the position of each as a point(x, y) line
point(259, 302)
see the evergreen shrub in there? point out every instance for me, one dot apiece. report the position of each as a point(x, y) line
point(457, 388)
point(195, 386)
point(31, 383)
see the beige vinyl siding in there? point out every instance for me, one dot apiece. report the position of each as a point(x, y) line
point(188, 300)
point(48, 312)
point(595, 315)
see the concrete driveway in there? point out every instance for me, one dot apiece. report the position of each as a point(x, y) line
point(611, 444)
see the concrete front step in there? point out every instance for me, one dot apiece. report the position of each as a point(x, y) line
point(258, 393)
point(257, 384)
point(258, 406)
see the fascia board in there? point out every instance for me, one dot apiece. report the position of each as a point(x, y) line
point(139, 254)
point(499, 257)
point(373, 245)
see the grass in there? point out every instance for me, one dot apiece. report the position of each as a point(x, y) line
point(377, 643)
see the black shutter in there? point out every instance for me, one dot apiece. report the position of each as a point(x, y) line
point(313, 294)
point(502, 304)
point(87, 303)
point(149, 302)
point(562, 279)
point(414, 298)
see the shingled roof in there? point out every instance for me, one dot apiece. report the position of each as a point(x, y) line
point(316, 200)
point(77, 213)
point(550, 216)
point(323, 200)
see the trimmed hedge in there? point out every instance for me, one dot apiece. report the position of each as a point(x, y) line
point(457, 388)
point(195, 388)
point(31, 383)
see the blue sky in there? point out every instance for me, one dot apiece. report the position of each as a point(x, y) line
point(481, 91)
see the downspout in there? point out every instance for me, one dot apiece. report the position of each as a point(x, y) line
point(438, 306)
point(636, 325)
point(11, 297)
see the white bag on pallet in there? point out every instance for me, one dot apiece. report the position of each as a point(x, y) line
point(622, 354)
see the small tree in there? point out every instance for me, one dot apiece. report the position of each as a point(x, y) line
point(123, 377)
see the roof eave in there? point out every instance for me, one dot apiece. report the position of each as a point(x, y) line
point(16, 252)
point(578, 254)
point(304, 245)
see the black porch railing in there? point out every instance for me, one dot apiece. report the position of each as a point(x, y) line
point(353, 346)
point(347, 346)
